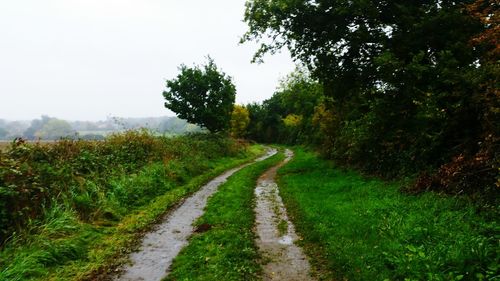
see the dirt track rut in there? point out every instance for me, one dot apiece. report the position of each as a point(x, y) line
point(162, 245)
point(276, 234)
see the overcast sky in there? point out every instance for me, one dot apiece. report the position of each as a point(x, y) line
point(90, 59)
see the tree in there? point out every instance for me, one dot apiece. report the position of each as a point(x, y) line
point(355, 46)
point(399, 76)
point(55, 129)
point(3, 133)
point(202, 95)
point(487, 11)
point(292, 120)
point(488, 95)
point(240, 118)
point(286, 116)
point(36, 126)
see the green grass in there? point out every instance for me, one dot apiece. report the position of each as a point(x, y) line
point(282, 227)
point(358, 228)
point(62, 246)
point(227, 250)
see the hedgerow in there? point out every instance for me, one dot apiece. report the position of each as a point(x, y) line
point(99, 179)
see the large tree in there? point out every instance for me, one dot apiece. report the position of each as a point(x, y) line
point(202, 95)
point(400, 76)
point(356, 47)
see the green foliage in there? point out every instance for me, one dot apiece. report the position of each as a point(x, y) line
point(48, 128)
point(227, 250)
point(240, 118)
point(88, 176)
point(343, 41)
point(406, 86)
point(202, 95)
point(88, 228)
point(292, 120)
point(47, 248)
point(297, 96)
point(36, 125)
point(357, 228)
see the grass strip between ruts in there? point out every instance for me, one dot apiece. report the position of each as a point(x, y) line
point(92, 250)
point(226, 251)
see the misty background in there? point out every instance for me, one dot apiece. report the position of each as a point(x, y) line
point(50, 128)
point(93, 59)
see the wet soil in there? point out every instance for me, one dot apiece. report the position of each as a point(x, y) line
point(276, 234)
point(162, 245)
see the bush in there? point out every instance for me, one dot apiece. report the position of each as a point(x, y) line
point(475, 175)
point(93, 177)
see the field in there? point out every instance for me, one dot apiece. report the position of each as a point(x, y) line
point(4, 145)
point(95, 132)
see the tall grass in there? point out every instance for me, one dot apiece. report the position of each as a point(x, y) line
point(70, 208)
point(88, 176)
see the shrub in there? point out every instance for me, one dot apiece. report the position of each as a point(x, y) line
point(471, 175)
point(99, 178)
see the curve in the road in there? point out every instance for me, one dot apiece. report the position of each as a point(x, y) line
point(162, 245)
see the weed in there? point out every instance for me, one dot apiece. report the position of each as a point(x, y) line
point(282, 227)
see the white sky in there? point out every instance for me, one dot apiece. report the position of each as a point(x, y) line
point(89, 59)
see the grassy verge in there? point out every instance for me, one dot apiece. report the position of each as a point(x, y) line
point(356, 228)
point(63, 246)
point(227, 250)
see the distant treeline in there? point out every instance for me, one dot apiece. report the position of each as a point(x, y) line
point(49, 128)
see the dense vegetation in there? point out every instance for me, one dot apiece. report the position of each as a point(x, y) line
point(393, 88)
point(81, 203)
point(357, 228)
point(404, 90)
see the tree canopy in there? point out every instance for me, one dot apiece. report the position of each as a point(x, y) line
point(202, 95)
point(405, 86)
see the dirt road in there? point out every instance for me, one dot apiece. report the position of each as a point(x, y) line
point(162, 245)
point(276, 234)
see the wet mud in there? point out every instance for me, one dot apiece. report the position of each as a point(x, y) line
point(283, 260)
